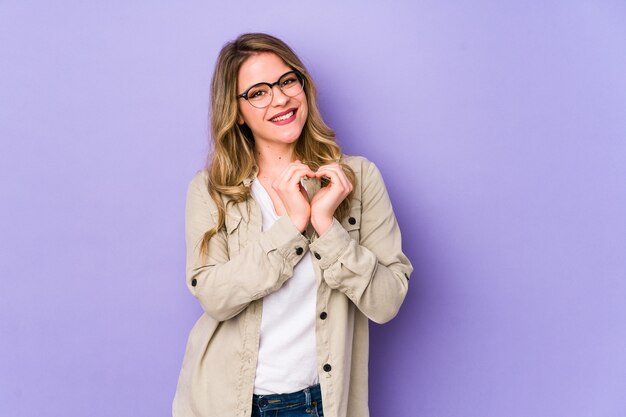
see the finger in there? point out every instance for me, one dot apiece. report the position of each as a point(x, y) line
point(336, 175)
point(335, 186)
point(331, 173)
point(335, 168)
point(296, 173)
point(291, 176)
point(344, 178)
point(297, 165)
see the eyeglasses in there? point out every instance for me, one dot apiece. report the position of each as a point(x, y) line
point(260, 95)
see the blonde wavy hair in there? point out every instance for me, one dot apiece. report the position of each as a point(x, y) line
point(232, 158)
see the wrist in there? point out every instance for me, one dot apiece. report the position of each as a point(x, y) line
point(301, 223)
point(321, 223)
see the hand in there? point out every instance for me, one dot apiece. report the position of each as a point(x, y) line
point(293, 195)
point(327, 199)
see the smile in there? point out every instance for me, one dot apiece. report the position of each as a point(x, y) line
point(287, 116)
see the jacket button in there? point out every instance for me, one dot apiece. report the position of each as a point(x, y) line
point(193, 282)
point(299, 251)
point(352, 220)
point(327, 368)
point(317, 256)
point(323, 315)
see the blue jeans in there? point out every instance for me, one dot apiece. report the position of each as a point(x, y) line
point(305, 403)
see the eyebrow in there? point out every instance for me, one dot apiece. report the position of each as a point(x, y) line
point(265, 82)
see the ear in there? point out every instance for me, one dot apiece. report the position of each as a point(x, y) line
point(240, 119)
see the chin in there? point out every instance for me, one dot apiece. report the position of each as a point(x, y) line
point(291, 137)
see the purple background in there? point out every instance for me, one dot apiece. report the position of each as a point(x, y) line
point(500, 128)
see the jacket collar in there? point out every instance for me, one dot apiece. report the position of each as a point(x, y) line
point(253, 175)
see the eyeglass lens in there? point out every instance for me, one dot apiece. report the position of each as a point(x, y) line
point(261, 95)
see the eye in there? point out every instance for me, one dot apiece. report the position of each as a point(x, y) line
point(256, 94)
point(289, 81)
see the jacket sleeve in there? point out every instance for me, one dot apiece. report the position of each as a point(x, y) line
point(374, 272)
point(224, 285)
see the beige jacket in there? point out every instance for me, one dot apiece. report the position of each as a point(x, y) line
point(361, 271)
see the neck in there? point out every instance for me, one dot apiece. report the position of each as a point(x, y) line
point(271, 160)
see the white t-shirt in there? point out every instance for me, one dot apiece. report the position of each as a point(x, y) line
point(287, 353)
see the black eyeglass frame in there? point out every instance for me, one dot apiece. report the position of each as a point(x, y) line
point(298, 74)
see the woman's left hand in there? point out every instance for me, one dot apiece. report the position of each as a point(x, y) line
point(327, 199)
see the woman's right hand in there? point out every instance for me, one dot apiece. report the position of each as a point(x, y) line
point(293, 195)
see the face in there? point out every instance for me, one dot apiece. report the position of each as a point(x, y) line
point(269, 125)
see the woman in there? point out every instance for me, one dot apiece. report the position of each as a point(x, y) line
point(291, 248)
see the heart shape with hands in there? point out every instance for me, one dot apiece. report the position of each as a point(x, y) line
point(312, 196)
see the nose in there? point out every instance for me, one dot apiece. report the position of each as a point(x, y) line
point(278, 97)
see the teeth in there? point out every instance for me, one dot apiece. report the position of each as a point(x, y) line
point(283, 117)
